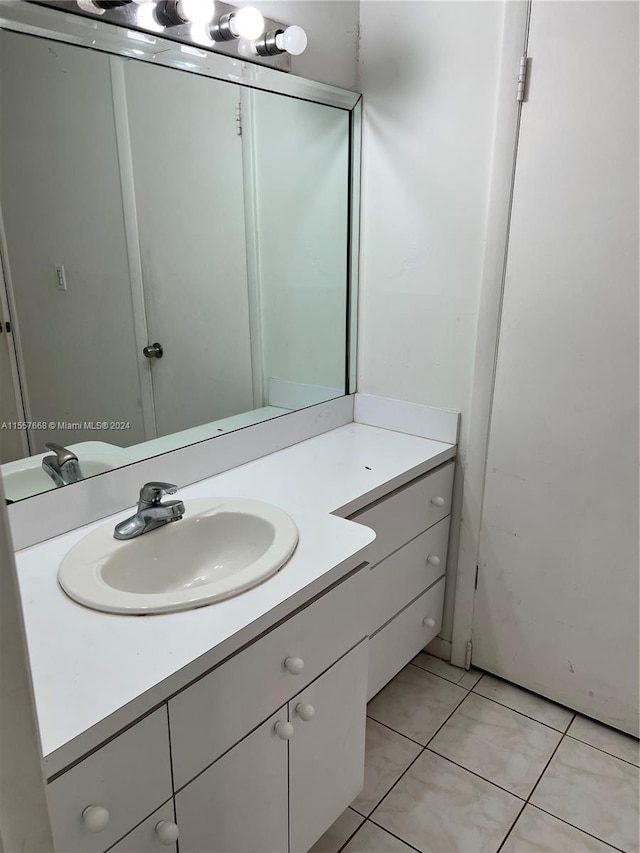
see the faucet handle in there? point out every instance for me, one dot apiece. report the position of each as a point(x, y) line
point(151, 493)
point(62, 453)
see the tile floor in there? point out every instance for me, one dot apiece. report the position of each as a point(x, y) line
point(461, 762)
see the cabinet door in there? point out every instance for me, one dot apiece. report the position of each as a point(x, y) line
point(239, 804)
point(326, 752)
point(148, 838)
point(129, 777)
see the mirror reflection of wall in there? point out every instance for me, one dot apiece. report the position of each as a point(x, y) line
point(144, 204)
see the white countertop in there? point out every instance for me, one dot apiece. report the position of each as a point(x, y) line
point(94, 673)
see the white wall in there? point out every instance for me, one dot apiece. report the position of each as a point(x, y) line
point(332, 27)
point(429, 116)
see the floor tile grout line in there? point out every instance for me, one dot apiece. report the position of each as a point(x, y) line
point(477, 775)
point(384, 828)
point(511, 828)
point(528, 799)
point(439, 729)
point(533, 805)
point(426, 747)
point(444, 677)
point(396, 732)
point(599, 749)
point(573, 826)
point(401, 776)
point(355, 832)
point(522, 714)
point(546, 766)
point(422, 751)
point(441, 677)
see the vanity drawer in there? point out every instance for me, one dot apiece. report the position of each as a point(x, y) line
point(404, 514)
point(406, 635)
point(145, 838)
point(129, 777)
point(213, 714)
point(400, 578)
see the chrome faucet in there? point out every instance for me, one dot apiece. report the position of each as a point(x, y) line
point(63, 467)
point(151, 512)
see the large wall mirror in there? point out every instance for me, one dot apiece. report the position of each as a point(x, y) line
point(175, 257)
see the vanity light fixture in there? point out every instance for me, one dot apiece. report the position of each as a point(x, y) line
point(211, 23)
point(245, 23)
point(292, 40)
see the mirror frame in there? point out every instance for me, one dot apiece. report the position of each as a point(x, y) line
point(49, 514)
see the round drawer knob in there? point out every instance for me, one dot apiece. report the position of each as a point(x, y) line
point(95, 818)
point(305, 711)
point(437, 501)
point(433, 560)
point(167, 832)
point(284, 730)
point(428, 622)
point(294, 665)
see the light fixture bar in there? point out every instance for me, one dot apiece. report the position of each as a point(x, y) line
point(220, 28)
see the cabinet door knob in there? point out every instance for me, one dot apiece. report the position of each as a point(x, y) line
point(167, 832)
point(437, 501)
point(428, 622)
point(294, 665)
point(95, 818)
point(283, 730)
point(305, 711)
point(433, 560)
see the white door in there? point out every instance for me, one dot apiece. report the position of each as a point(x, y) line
point(187, 171)
point(239, 805)
point(326, 751)
point(556, 608)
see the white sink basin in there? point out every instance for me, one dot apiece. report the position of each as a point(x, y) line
point(26, 477)
point(222, 547)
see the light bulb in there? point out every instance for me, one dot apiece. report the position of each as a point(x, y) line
point(293, 40)
point(90, 6)
point(200, 35)
point(247, 23)
point(196, 11)
point(146, 17)
point(246, 49)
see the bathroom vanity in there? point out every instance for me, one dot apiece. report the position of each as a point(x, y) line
point(246, 729)
point(237, 726)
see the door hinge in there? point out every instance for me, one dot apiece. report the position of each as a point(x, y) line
point(476, 586)
point(239, 118)
point(522, 78)
point(467, 655)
